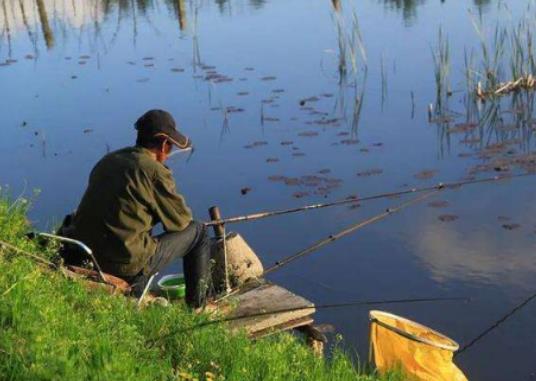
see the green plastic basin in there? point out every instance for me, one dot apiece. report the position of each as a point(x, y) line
point(172, 286)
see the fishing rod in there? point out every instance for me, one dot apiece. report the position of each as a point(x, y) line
point(439, 186)
point(333, 237)
point(350, 229)
point(356, 303)
point(492, 327)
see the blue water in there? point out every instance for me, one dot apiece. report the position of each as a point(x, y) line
point(59, 117)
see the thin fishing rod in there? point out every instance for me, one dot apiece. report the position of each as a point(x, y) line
point(333, 237)
point(311, 307)
point(491, 328)
point(261, 215)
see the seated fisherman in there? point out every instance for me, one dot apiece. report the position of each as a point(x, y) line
point(129, 192)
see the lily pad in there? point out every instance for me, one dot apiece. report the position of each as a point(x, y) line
point(447, 217)
point(308, 134)
point(511, 226)
point(370, 172)
point(300, 194)
point(426, 174)
point(349, 141)
point(438, 204)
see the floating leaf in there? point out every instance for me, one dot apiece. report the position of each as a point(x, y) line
point(447, 217)
point(231, 109)
point(177, 69)
point(324, 171)
point(277, 178)
point(425, 174)
point(272, 160)
point(438, 204)
point(462, 127)
point(370, 172)
point(310, 99)
point(242, 93)
point(471, 140)
point(349, 141)
point(308, 133)
point(292, 181)
point(300, 194)
point(324, 122)
point(287, 142)
point(511, 226)
point(465, 154)
point(268, 78)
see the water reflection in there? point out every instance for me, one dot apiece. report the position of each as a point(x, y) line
point(497, 133)
point(478, 255)
point(408, 8)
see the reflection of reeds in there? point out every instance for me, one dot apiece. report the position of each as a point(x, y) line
point(33, 40)
point(45, 26)
point(181, 14)
point(7, 29)
point(351, 47)
point(196, 59)
point(383, 80)
point(359, 98)
point(441, 58)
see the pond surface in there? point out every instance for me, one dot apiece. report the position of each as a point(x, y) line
point(279, 120)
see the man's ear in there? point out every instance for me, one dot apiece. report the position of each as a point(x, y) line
point(163, 147)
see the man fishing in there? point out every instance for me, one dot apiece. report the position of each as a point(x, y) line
point(129, 192)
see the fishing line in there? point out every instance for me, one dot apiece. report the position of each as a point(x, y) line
point(491, 328)
point(310, 307)
point(333, 237)
point(453, 185)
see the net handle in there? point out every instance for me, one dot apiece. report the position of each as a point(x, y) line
point(452, 348)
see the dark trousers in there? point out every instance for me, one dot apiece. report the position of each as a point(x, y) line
point(192, 245)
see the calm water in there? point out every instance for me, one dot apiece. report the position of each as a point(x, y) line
point(257, 86)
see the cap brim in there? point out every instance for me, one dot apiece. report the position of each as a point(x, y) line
point(178, 139)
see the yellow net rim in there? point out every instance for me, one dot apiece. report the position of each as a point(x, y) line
point(376, 316)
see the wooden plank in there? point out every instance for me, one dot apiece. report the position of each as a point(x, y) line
point(301, 322)
point(263, 299)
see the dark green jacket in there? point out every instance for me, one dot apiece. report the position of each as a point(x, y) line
point(128, 193)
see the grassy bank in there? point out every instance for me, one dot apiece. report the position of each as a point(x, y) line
point(54, 328)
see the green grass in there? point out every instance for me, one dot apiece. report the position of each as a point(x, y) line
point(55, 328)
